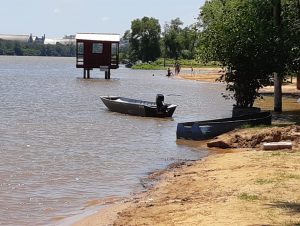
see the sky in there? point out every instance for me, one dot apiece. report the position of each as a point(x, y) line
point(57, 18)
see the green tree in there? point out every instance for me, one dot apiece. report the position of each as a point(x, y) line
point(35, 49)
point(172, 39)
point(124, 46)
point(242, 37)
point(18, 49)
point(291, 33)
point(9, 48)
point(189, 41)
point(144, 40)
point(179, 42)
point(1, 47)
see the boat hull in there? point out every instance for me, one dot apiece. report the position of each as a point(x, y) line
point(137, 107)
point(203, 130)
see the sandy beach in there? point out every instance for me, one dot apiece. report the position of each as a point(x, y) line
point(244, 185)
point(212, 74)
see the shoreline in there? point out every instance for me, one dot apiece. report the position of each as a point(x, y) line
point(212, 74)
point(214, 190)
point(261, 183)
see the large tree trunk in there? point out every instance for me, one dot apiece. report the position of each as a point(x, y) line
point(298, 81)
point(277, 93)
point(277, 77)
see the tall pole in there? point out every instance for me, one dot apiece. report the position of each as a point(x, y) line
point(277, 76)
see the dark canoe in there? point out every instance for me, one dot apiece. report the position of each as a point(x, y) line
point(202, 130)
point(137, 107)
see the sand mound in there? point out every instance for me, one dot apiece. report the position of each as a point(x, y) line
point(253, 138)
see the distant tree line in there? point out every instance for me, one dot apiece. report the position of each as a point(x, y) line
point(36, 49)
point(148, 42)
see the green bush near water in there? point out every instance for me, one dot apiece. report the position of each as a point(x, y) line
point(159, 64)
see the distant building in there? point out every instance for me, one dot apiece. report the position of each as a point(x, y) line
point(36, 39)
point(68, 39)
point(17, 38)
point(63, 41)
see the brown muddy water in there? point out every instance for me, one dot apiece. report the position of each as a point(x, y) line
point(61, 149)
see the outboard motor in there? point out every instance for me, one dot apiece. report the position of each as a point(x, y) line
point(160, 102)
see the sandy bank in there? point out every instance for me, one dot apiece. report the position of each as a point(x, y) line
point(247, 188)
point(201, 74)
point(212, 74)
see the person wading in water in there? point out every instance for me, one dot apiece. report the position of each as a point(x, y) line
point(169, 73)
point(177, 68)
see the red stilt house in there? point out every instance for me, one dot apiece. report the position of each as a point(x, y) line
point(95, 50)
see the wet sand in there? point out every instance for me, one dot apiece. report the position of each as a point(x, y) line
point(245, 186)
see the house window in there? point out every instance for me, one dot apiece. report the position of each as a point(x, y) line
point(114, 48)
point(97, 48)
point(114, 52)
point(80, 48)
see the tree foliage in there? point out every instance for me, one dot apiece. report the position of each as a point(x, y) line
point(172, 38)
point(144, 39)
point(124, 46)
point(241, 36)
point(146, 44)
point(179, 42)
point(36, 49)
point(291, 33)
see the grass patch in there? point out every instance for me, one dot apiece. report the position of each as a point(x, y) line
point(169, 63)
point(276, 154)
point(248, 126)
point(279, 178)
point(290, 176)
point(264, 181)
point(248, 197)
point(291, 224)
point(148, 67)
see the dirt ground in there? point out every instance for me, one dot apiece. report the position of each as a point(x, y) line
point(245, 188)
point(240, 185)
point(255, 137)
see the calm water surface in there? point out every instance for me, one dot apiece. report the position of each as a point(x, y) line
point(60, 148)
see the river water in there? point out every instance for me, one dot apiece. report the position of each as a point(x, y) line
point(60, 148)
